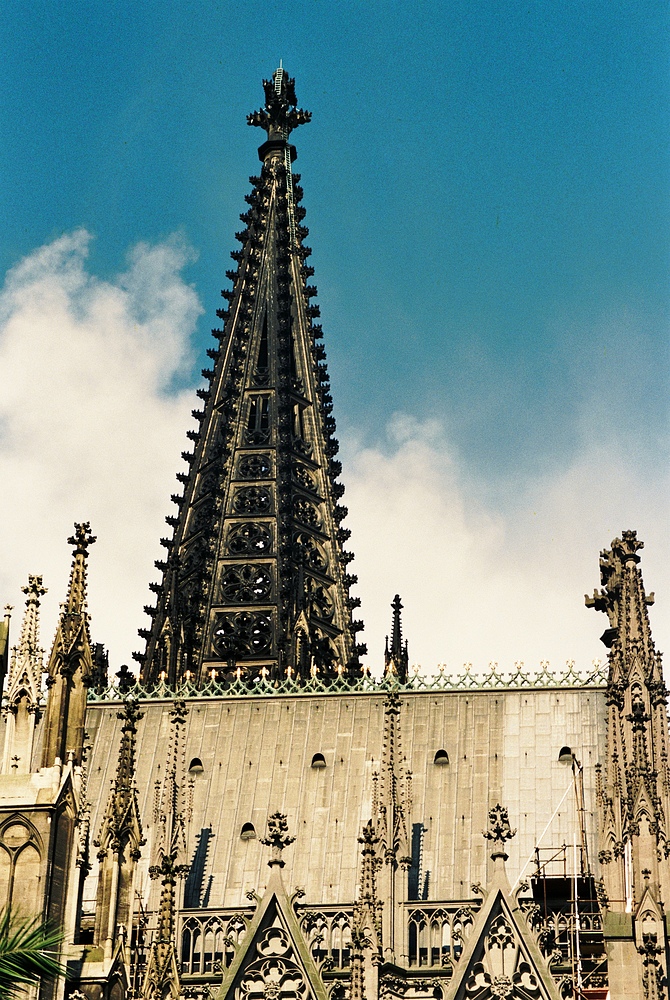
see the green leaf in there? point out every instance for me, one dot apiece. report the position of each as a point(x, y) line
point(29, 949)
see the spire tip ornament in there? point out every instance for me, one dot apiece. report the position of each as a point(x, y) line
point(279, 116)
point(499, 831)
point(278, 838)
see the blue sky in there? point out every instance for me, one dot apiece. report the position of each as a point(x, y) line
point(486, 189)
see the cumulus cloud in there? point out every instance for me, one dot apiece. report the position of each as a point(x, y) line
point(92, 424)
point(497, 571)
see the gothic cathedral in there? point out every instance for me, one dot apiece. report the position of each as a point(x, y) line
point(252, 815)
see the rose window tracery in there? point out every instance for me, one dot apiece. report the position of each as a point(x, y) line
point(249, 539)
point(245, 584)
point(274, 975)
point(209, 483)
point(255, 466)
point(501, 934)
point(202, 515)
point(253, 500)
point(304, 477)
point(242, 634)
point(306, 513)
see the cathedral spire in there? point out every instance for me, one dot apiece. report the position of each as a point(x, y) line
point(25, 671)
point(71, 663)
point(24, 682)
point(634, 789)
point(4, 643)
point(255, 576)
point(396, 658)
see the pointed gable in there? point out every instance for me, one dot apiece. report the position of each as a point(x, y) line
point(274, 960)
point(502, 960)
point(255, 578)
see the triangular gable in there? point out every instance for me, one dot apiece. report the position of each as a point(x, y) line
point(274, 954)
point(501, 957)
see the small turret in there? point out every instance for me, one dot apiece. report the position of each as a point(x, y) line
point(634, 786)
point(4, 644)
point(22, 698)
point(71, 663)
point(396, 657)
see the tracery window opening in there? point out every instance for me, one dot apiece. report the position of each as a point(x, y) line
point(258, 423)
point(436, 937)
point(262, 370)
point(299, 422)
point(208, 946)
point(340, 942)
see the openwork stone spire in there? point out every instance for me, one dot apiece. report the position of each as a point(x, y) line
point(255, 578)
point(4, 642)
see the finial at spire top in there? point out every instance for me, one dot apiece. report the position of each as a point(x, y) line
point(396, 633)
point(396, 658)
point(280, 115)
point(499, 831)
point(82, 538)
point(278, 838)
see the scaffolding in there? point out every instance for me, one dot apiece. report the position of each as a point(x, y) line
point(565, 893)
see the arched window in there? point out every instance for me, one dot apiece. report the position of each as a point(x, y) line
point(565, 755)
point(20, 865)
point(318, 760)
point(26, 893)
point(248, 832)
point(441, 758)
point(418, 945)
point(195, 767)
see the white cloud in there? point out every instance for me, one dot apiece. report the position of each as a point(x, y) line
point(91, 429)
point(496, 572)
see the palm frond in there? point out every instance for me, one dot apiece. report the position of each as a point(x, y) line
point(29, 949)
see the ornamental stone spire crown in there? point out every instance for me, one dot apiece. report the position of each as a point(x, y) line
point(255, 580)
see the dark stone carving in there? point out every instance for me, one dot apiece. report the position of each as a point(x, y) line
point(306, 513)
point(318, 597)
point(202, 516)
point(304, 477)
point(252, 500)
point(257, 436)
point(243, 634)
point(308, 552)
point(246, 584)
point(255, 466)
point(249, 539)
